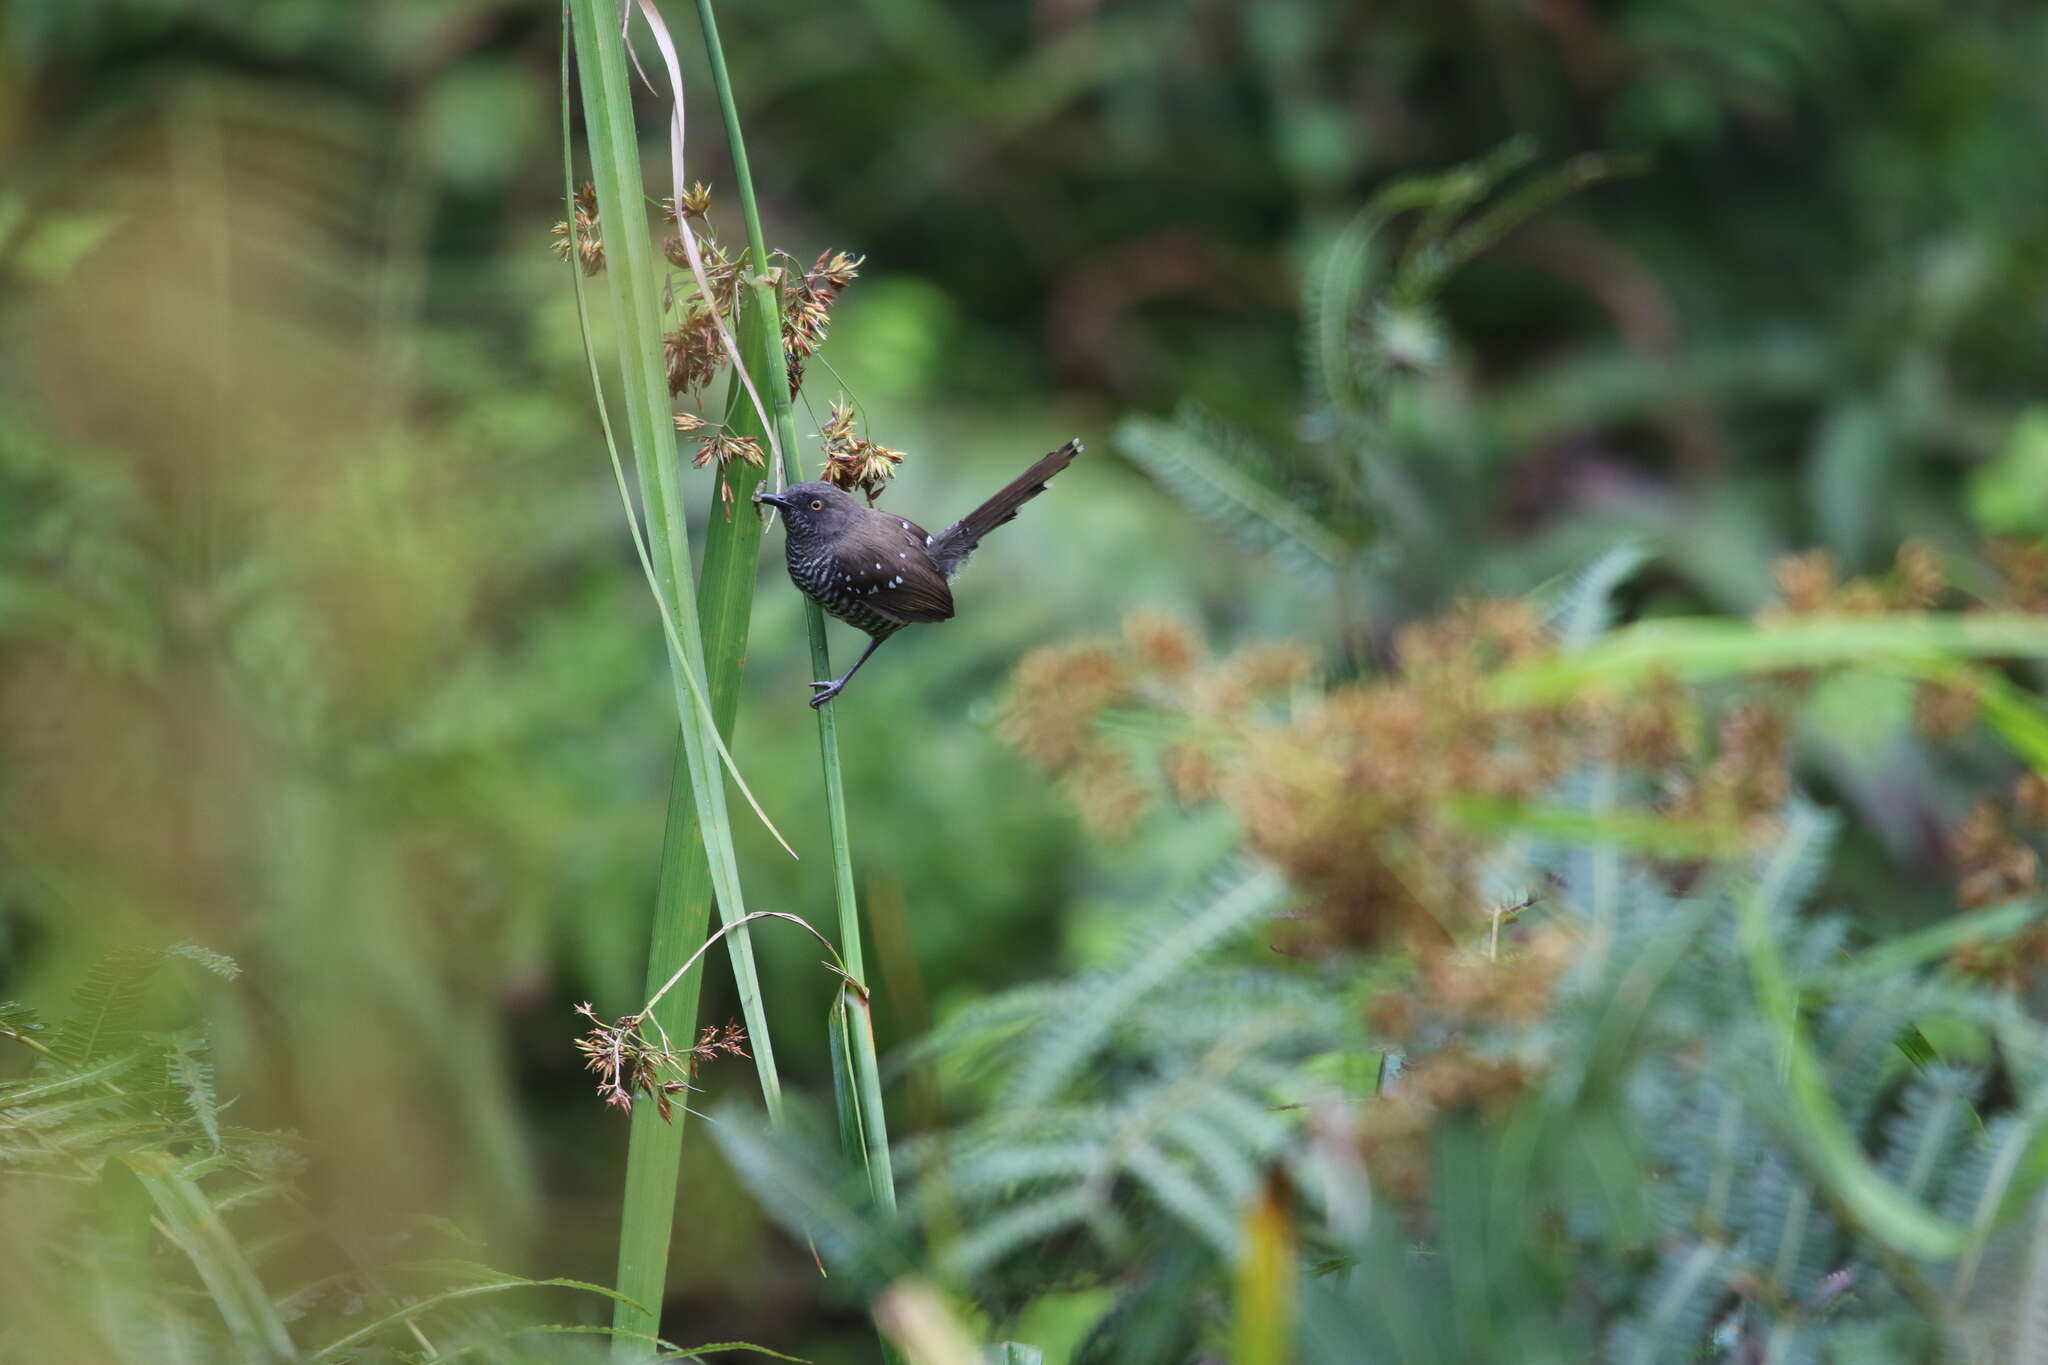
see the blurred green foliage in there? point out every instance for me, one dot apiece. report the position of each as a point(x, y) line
point(319, 643)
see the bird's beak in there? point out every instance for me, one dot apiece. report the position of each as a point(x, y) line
point(772, 499)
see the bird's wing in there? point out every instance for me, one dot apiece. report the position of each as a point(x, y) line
point(885, 564)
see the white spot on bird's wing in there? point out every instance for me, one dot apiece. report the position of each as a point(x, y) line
point(906, 526)
point(903, 554)
point(927, 540)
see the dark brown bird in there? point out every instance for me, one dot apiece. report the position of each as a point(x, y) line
point(879, 571)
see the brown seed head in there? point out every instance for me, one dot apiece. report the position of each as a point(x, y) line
point(1163, 643)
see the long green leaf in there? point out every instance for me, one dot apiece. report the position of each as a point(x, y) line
point(192, 1222)
point(697, 851)
point(775, 376)
point(1833, 1153)
point(633, 278)
point(1693, 650)
point(1939, 940)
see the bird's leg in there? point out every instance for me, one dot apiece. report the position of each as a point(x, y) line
point(828, 690)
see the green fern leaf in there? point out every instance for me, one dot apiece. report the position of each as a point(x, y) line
point(1931, 1128)
point(1675, 1320)
point(107, 1007)
point(1018, 1226)
point(66, 1080)
point(1242, 899)
point(1581, 608)
point(18, 1022)
point(191, 1075)
point(1182, 1196)
point(1215, 472)
point(220, 964)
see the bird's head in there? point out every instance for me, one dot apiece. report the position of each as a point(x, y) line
point(813, 509)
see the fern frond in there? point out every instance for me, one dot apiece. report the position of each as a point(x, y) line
point(980, 1036)
point(1181, 1195)
point(191, 1076)
point(1228, 1168)
point(1581, 607)
point(802, 1179)
point(107, 1007)
point(220, 964)
point(1675, 1320)
point(1244, 897)
point(1983, 1190)
point(1931, 1128)
point(1790, 1237)
point(1020, 1225)
point(66, 1080)
point(1007, 1168)
point(1334, 290)
point(1788, 873)
point(19, 1023)
point(2024, 1316)
point(1212, 470)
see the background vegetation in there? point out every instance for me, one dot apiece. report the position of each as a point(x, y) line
point(331, 697)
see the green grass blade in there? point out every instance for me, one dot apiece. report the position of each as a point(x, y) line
point(654, 1151)
point(857, 1087)
point(845, 1084)
point(775, 378)
point(634, 281)
point(698, 857)
point(1904, 953)
point(1833, 1153)
point(192, 1222)
point(1695, 650)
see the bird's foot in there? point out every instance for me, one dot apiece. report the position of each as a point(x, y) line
point(826, 691)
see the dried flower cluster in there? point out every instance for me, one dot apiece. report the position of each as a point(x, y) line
point(1396, 1132)
point(807, 301)
point(1809, 584)
point(629, 1063)
point(1470, 1021)
point(1364, 794)
point(852, 463)
point(722, 448)
point(694, 352)
point(2022, 569)
point(1994, 863)
point(695, 203)
point(579, 238)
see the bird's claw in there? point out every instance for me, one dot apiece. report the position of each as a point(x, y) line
point(826, 691)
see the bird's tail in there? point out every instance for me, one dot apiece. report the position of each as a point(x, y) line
point(952, 546)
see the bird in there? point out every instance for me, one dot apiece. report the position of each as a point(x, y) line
point(880, 572)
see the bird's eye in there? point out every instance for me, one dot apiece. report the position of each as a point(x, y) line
point(817, 506)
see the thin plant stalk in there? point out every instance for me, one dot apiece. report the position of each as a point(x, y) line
point(853, 1002)
point(698, 856)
